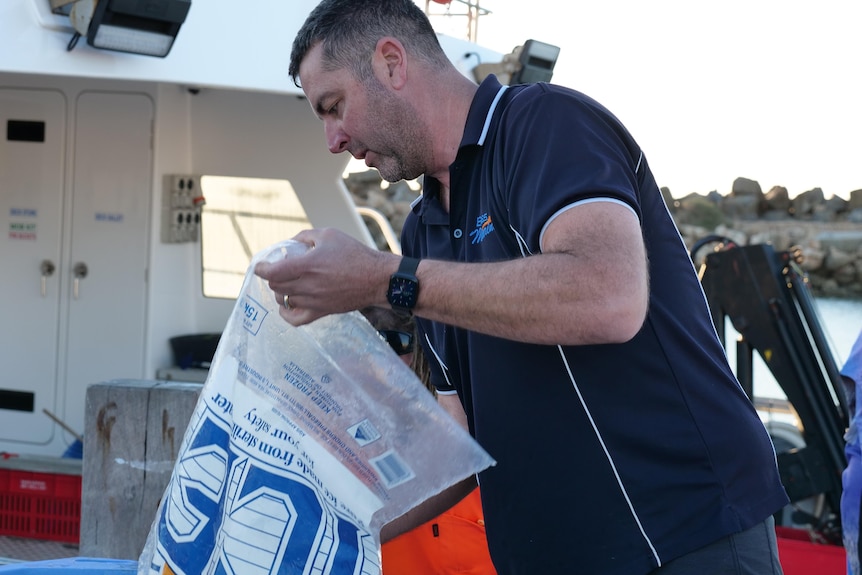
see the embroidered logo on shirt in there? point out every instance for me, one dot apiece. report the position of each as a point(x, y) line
point(484, 226)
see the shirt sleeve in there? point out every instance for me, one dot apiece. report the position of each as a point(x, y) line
point(558, 148)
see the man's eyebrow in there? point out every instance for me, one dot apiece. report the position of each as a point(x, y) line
point(318, 103)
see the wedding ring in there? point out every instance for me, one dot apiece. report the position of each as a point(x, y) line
point(286, 301)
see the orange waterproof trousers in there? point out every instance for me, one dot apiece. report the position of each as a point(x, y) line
point(453, 542)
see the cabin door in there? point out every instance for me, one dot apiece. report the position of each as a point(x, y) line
point(32, 153)
point(85, 320)
point(107, 267)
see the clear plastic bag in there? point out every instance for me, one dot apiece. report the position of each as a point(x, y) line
point(304, 442)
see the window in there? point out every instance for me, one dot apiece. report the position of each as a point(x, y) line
point(242, 216)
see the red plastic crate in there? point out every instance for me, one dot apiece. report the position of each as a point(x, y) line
point(40, 505)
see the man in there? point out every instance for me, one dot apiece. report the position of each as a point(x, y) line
point(554, 295)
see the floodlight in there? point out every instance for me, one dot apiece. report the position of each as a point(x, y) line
point(537, 62)
point(146, 27)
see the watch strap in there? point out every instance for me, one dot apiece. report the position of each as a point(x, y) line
point(408, 267)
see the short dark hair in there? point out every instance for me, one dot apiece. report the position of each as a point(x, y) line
point(350, 29)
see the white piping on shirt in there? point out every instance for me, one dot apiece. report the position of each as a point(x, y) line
point(609, 457)
point(443, 367)
point(487, 125)
point(522, 243)
point(580, 203)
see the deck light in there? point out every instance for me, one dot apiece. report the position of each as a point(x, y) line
point(146, 27)
point(537, 62)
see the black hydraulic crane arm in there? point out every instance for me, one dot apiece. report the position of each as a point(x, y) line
point(766, 297)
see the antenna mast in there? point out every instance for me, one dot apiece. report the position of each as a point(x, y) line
point(465, 8)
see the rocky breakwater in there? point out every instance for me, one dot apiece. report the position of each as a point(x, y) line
point(828, 231)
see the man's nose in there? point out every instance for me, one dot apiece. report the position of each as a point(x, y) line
point(336, 139)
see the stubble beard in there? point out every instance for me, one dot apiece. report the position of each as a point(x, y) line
point(402, 147)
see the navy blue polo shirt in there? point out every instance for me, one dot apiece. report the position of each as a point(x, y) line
point(612, 459)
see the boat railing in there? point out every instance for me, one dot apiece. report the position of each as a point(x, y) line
point(386, 229)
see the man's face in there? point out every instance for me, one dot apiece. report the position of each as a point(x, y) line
point(370, 120)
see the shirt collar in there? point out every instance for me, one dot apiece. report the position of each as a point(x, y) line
point(478, 119)
point(481, 109)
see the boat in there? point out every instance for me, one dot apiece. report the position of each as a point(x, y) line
point(135, 188)
point(143, 166)
point(151, 149)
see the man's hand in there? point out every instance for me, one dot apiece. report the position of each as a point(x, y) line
point(337, 274)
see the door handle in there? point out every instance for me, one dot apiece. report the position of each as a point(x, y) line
point(47, 269)
point(79, 272)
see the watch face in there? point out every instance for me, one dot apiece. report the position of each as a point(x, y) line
point(403, 292)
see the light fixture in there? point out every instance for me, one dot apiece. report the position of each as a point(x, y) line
point(146, 27)
point(537, 62)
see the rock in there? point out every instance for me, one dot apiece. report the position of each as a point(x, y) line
point(697, 210)
point(804, 204)
point(836, 205)
point(746, 207)
point(836, 259)
point(692, 233)
point(845, 275)
point(777, 200)
point(746, 187)
point(379, 200)
point(366, 178)
point(849, 241)
point(812, 259)
point(715, 197)
point(400, 193)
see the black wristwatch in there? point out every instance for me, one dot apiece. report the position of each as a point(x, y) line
point(404, 286)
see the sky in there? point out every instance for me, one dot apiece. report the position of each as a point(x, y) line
point(769, 90)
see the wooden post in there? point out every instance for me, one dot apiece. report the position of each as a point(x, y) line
point(133, 432)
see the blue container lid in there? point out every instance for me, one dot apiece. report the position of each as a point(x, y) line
point(91, 565)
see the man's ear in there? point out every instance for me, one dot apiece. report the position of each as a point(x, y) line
point(390, 62)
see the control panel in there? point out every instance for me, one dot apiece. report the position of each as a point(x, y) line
point(181, 209)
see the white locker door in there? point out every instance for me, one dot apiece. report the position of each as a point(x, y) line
point(32, 148)
point(107, 268)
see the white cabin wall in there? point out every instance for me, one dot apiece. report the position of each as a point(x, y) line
point(261, 135)
point(233, 133)
point(175, 294)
